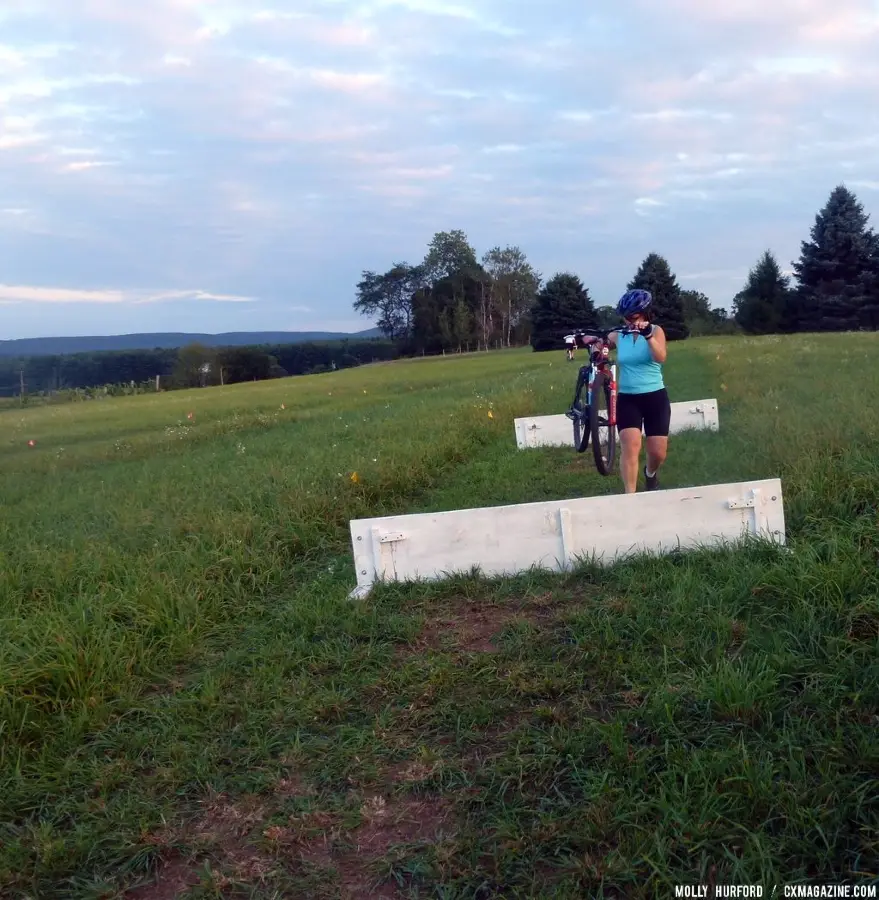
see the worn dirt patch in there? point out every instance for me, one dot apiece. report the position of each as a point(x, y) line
point(398, 821)
point(221, 832)
point(474, 627)
point(175, 876)
point(411, 771)
point(470, 628)
point(543, 606)
point(386, 823)
point(293, 786)
point(224, 820)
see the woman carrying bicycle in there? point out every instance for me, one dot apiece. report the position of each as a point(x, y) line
point(642, 400)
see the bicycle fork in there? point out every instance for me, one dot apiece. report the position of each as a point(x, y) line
point(612, 405)
point(611, 375)
point(612, 385)
point(587, 380)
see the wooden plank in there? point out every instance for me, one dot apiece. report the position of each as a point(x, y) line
point(553, 534)
point(558, 430)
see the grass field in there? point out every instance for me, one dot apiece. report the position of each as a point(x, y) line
point(189, 701)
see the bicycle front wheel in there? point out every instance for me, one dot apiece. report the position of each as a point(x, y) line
point(604, 435)
point(580, 414)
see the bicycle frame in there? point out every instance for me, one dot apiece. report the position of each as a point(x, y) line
point(599, 362)
point(585, 409)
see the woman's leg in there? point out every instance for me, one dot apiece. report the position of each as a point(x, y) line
point(630, 444)
point(657, 418)
point(629, 420)
point(657, 450)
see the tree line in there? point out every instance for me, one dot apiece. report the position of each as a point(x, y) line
point(564, 303)
point(451, 301)
point(835, 284)
point(194, 365)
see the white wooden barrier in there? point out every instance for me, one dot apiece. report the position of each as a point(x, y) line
point(552, 535)
point(558, 430)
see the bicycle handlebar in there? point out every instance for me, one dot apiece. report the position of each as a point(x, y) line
point(604, 332)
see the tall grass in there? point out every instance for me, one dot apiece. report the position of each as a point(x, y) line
point(175, 624)
point(131, 530)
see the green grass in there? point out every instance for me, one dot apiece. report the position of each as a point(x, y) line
point(186, 693)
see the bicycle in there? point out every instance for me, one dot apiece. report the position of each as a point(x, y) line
point(597, 381)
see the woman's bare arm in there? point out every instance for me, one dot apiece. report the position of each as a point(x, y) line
point(656, 343)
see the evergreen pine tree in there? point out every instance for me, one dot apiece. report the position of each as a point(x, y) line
point(656, 276)
point(760, 307)
point(562, 306)
point(870, 310)
point(835, 272)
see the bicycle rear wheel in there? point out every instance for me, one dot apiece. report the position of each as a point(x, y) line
point(580, 412)
point(604, 436)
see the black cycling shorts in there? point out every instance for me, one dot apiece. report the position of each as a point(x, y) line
point(652, 411)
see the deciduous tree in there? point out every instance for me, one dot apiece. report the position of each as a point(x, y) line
point(514, 286)
point(196, 366)
point(449, 253)
point(389, 297)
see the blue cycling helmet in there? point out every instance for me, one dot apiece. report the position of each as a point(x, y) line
point(633, 302)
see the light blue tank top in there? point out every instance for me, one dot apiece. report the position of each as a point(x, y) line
point(639, 373)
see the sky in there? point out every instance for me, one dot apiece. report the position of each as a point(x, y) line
point(209, 166)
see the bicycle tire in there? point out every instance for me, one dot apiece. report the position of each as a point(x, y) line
point(579, 414)
point(604, 451)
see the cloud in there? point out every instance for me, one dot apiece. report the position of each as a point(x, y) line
point(10, 293)
point(644, 206)
point(275, 150)
point(85, 164)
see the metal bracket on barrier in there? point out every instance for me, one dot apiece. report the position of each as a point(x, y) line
point(756, 502)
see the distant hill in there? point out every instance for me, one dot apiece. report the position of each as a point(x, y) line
point(56, 346)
